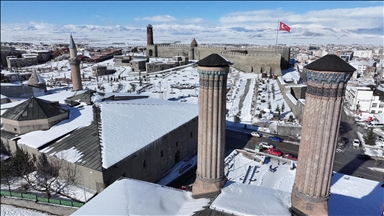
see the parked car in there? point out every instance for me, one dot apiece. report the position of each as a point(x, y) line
point(256, 134)
point(356, 143)
point(276, 138)
point(274, 151)
point(266, 145)
point(290, 156)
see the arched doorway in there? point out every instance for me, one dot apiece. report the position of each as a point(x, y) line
point(150, 52)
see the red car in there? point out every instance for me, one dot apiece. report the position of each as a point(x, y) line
point(290, 156)
point(274, 151)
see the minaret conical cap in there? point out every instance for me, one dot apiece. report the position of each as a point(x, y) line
point(72, 43)
point(331, 63)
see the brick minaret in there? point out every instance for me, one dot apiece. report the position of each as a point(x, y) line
point(149, 35)
point(326, 81)
point(213, 71)
point(75, 66)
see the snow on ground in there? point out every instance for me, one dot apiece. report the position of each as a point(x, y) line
point(8, 210)
point(251, 189)
point(75, 192)
point(261, 192)
point(373, 151)
point(161, 82)
point(134, 197)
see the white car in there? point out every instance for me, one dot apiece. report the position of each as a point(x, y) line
point(266, 145)
point(256, 134)
point(356, 143)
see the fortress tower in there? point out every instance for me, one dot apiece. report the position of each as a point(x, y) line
point(191, 54)
point(75, 66)
point(326, 80)
point(213, 71)
point(149, 35)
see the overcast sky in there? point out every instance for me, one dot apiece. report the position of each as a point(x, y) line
point(343, 14)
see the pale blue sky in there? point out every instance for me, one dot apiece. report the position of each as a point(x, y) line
point(209, 13)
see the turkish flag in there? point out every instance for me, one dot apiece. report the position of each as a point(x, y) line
point(284, 27)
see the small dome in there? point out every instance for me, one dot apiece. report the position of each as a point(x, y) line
point(194, 43)
point(149, 26)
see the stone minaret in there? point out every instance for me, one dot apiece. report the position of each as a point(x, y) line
point(149, 35)
point(75, 66)
point(213, 71)
point(326, 81)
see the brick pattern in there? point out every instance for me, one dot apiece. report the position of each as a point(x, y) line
point(211, 139)
point(321, 119)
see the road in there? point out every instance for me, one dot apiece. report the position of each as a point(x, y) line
point(345, 162)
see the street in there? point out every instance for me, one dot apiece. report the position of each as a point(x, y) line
point(346, 162)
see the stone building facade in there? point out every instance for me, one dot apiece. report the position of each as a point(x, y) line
point(326, 81)
point(256, 60)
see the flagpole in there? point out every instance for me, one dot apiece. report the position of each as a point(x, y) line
point(277, 34)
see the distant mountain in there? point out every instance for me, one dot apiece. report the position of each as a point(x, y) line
point(185, 33)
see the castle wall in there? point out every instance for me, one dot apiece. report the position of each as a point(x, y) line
point(296, 106)
point(254, 60)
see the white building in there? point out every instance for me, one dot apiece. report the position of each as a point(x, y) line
point(364, 99)
point(362, 53)
point(360, 65)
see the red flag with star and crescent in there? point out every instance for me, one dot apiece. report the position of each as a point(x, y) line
point(284, 27)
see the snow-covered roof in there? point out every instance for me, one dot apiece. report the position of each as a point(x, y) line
point(134, 197)
point(261, 193)
point(124, 123)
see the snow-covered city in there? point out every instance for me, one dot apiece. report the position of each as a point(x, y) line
point(177, 118)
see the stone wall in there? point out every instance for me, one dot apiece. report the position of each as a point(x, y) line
point(297, 106)
point(244, 59)
point(21, 91)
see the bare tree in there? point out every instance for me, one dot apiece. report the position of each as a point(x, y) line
point(47, 172)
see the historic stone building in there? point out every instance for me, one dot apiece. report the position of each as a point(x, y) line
point(326, 81)
point(74, 61)
point(256, 60)
point(213, 71)
point(107, 148)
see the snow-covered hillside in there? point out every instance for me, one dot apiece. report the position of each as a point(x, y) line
point(166, 33)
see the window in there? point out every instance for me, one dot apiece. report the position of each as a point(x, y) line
point(14, 129)
point(144, 164)
point(374, 104)
point(190, 135)
point(177, 144)
point(161, 154)
point(381, 105)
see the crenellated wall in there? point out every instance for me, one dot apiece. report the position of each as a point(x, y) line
point(256, 60)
